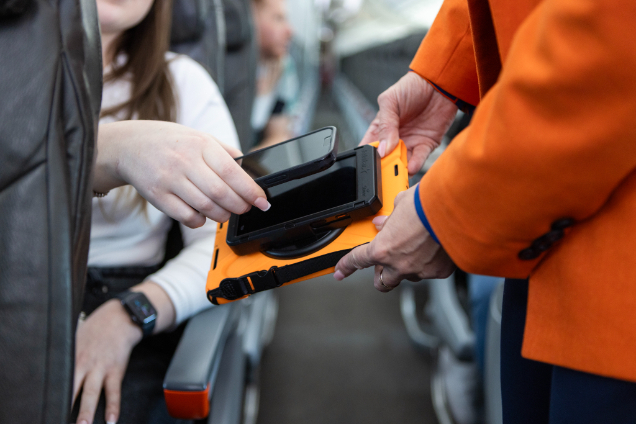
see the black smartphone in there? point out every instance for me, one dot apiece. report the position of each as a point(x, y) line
point(350, 189)
point(292, 159)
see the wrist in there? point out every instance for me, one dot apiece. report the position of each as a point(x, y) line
point(120, 318)
point(107, 173)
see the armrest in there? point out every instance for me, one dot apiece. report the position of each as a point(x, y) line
point(192, 372)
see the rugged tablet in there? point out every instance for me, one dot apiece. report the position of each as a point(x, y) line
point(233, 277)
point(309, 207)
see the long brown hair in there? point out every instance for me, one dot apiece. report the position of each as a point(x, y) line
point(151, 96)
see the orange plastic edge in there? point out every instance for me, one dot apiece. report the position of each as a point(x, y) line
point(183, 405)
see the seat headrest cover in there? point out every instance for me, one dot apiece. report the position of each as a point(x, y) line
point(237, 24)
point(9, 8)
point(188, 20)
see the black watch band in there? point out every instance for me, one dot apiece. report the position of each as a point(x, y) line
point(140, 310)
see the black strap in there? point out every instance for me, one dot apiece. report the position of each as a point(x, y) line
point(235, 288)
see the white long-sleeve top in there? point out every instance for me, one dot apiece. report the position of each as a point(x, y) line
point(124, 237)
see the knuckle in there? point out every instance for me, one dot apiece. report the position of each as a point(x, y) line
point(112, 404)
point(225, 168)
point(90, 391)
point(384, 126)
point(245, 208)
point(222, 215)
point(204, 204)
point(384, 97)
point(217, 189)
point(192, 219)
point(380, 254)
point(201, 140)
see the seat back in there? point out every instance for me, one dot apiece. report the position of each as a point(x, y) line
point(240, 67)
point(50, 82)
point(198, 31)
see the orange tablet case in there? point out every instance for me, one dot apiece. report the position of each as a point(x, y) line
point(234, 277)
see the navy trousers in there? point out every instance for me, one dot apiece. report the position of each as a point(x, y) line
point(537, 393)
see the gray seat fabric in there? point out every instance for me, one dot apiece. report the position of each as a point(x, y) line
point(50, 80)
point(240, 67)
point(219, 34)
point(198, 30)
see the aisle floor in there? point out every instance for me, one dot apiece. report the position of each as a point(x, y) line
point(341, 354)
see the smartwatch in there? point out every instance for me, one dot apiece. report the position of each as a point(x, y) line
point(140, 310)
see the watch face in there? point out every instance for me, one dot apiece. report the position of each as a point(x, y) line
point(141, 308)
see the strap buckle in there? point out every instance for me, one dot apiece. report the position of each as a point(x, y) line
point(235, 288)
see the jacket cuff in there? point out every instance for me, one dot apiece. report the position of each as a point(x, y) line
point(422, 215)
point(461, 105)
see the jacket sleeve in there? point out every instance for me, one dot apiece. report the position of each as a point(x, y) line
point(446, 56)
point(554, 137)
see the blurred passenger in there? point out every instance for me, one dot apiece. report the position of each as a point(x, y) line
point(276, 78)
point(128, 237)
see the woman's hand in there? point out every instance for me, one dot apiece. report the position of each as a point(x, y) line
point(402, 250)
point(187, 174)
point(103, 345)
point(411, 109)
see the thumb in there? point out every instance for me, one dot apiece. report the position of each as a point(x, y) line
point(388, 122)
point(379, 221)
point(385, 126)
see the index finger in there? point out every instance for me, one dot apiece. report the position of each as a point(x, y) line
point(358, 258)
point(220, 161)
point(233, 151)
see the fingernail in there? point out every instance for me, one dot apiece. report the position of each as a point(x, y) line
point(83, 422)
point(338, 275)
point(379, 220)
point(262, 204)
point(111, 419)
point(111, 422)
point(382, 148)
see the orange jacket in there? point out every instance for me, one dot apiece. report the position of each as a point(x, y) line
point(553, 137)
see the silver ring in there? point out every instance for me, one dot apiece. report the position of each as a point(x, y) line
point(382, 281)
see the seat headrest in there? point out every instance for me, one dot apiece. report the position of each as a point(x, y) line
point(237, 24)
point(9, 8)
point(188, 20)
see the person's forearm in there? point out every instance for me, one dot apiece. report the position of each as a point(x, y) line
point(106, 169)
point(187, 174)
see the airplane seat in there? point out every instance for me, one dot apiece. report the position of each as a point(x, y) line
point(51, 85)
point(241, 54)
point(213, 374)
point(198, 31)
